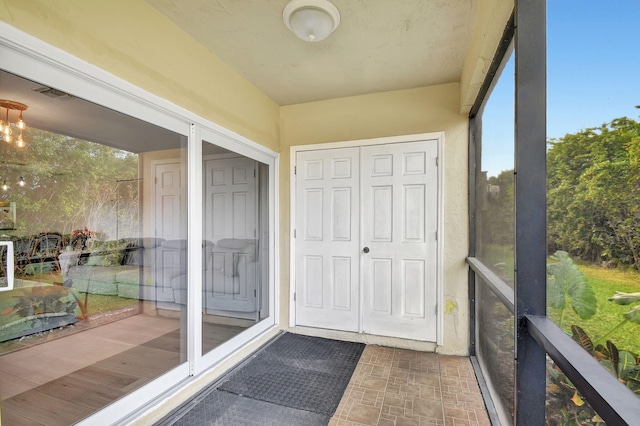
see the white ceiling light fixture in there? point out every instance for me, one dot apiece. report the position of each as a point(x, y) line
point(311, 20)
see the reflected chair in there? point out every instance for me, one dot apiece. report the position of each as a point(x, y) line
point(48, 248)
point(24, 248)
point(3, 261)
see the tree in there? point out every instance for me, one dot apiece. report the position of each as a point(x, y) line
point(594, 192)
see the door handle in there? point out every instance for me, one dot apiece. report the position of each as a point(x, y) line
point(366, 249)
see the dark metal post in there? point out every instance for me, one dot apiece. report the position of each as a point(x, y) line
point(475, 133)
point(530, 262)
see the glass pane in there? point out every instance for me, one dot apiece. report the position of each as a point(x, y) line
point(495, 349)
point(495, 181)
point(99, 227)
point(565, 405)
point(593, 224)
point(235, 248)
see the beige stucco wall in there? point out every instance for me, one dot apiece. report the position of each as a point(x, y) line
point(488, 25)
point(133, 41)
point(404, 112)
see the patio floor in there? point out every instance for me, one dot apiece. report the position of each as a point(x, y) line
point(402, 387)
point(388, 387)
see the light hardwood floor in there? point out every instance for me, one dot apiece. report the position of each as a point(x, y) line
point(64, 380)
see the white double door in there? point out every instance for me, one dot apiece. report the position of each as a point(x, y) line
point(365, 245)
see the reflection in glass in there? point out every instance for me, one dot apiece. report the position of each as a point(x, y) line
point(495, 181)
point(100, 237)
point(495, 349)
point(564, 404)
point(495, 238)
point(235, 248)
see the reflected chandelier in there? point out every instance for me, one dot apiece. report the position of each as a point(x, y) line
point(5, 126)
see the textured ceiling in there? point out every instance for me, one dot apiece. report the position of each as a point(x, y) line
point(380, 45)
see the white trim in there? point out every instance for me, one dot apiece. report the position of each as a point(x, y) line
point(31, 58)
point(292, 232)
point(112, 414)
point(274, 243)
point(194, 253)
point(56, 67)
point(231, 348)
point(440, 138)
point(440, 245)
point(374, 141)
point(10, 266)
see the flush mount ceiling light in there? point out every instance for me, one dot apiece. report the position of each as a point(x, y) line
point(311, 20)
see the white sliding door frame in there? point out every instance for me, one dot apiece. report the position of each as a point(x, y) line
point(437, 136)
point(213, 357)
point(31, 58)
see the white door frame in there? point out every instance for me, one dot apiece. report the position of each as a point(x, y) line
point(439, 137)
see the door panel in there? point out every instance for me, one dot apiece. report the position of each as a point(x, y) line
point(231, 273)
point(169, 222)
point(327, 243)
point(169, 193)
point(399, 223)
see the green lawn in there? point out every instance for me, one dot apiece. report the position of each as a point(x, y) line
point(605, 282)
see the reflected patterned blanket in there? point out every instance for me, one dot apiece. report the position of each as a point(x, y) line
point(33, 307)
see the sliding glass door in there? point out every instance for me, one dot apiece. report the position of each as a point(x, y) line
point(236, 244)
point(94, 205)
point(141, 238)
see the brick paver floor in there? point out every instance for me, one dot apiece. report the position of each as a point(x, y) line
point(402, 387)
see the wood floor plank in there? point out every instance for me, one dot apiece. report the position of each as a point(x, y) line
point(105, 377)
point(143, 361)
point(86, 371)
point(213, 335)
point(169, 342)
point(11, 384)
point(13, 419)
point(75, 389)
point(45, 409)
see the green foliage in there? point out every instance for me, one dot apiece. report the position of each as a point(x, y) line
point(71, 183)
point(567, 286)
point(593, 180)
point(633, 315)
point(621, 363)
point(608, 315)
point(565, 404)
point(499, 217)
point(496, 223)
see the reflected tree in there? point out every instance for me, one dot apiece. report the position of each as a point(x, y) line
point(70, 184)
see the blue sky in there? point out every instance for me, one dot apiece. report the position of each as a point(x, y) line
point(593, 74)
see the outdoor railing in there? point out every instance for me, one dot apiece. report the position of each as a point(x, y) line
point(612, 400)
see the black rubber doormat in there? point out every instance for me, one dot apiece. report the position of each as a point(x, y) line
point(302, 372)
point(220, 408)
point(292, 381)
